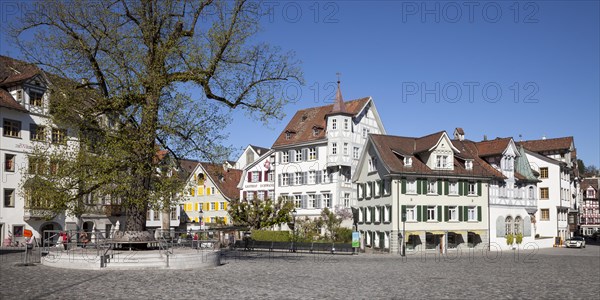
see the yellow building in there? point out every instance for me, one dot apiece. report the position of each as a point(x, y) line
point(208, 191)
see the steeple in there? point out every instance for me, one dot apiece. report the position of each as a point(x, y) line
point(338, 106)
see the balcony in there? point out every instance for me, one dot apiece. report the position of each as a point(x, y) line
point(37, 213)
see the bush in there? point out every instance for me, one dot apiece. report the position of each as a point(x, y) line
point(343, 235)
point(271, 236)
point(509, 239)
point(519, 238)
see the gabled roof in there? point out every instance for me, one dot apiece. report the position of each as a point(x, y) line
point(591, 182)
point(225, 180)
point(259, 150)
point(392, 149)
point(304, 120)
point(493, 147)
point(7, 100)
point(562, 143)
point(13, 71)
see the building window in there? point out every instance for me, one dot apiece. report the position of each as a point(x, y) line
point(18, 230)
point(35, 98)
point(312, 177)
point(9, 162)
point(298, 201)
point(472, 213)
point(298, 155)
point(508, 225)
point(472, 188)
point(298, 178)
point(312, 201)
point(9, 198)
point(545, 214)
point(452, 213)
point(54, 167)
point(365, 132)
point(387, 214)
point(37, 133)
point(288, 135)
point(315, 131)
point(411, 186)
point(441, 161)
point(590, 193)
point(387, 184)
point(271, 176)
point(411, 213)
point(59, 136)
point(327, 200)
point(345, 148)
point(355, 154)
point(544, 193)
point(431, 213)
point(431, 187)
point(12, 128)
point(518, 225)
point(377, 214)
point(255, 177)
point(531, 192)
point(212, 206)
point(453, 188)
point(173, 214)
point(346, 199)
point(372, 164)
point(346, 124)
point(312, 153)
point(36, 165)
point(334, 124)
point(334, 148)
point(543, 173)
point(469, 164)
point(285, 157)
point(407, 161)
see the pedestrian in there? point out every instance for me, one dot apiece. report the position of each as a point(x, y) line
point(64, 237)
point(83, 237)
point(196, 245)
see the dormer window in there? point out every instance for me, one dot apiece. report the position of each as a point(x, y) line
point(408, 161)
point(19, 95)
point(35, 98)
point(590, 193)
point(442, 161)
point(288, 135)
point(469, 164)
point(315, 131)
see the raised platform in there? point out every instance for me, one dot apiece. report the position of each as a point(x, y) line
point(91, 259)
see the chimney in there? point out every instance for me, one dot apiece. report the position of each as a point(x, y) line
point(485, 137)
point(459, 134)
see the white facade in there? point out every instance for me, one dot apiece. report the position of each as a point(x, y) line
point(258, 178)
point(318, 174)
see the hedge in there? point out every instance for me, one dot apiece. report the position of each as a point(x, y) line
point(271, 236)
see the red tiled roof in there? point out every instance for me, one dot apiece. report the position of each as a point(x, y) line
point(7, 100)
point(562, 143)
point(492, 147)
point(225, 180)
point(304, 120)
point(386, 145)
point(13, 70)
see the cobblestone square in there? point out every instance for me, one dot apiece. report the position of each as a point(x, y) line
point(547, 273)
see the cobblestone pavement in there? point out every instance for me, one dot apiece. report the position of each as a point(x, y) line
point(547, 273)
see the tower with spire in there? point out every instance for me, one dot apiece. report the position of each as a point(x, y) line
point(339, 132)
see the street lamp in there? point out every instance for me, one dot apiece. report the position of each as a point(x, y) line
point(403, 233)
point(294, 214)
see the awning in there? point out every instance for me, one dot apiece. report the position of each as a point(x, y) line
point(461, 232)
point(412, 233)
point(436, 232)
point(479, 232)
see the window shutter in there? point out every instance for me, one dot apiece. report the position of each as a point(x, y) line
point(245, 195)
point(373, 214)
point(403, 188)
point(319, 204)
point(266, 175)
point(439, 213)
point(266, 195)
point(439, 187)
point(249, 176)
point(419, 188)
point(216, 205)
point(403, 215)
point(446, 187)
point(389, 210)
point(259, 176)
point(305, 178)
point(381, 186)
point(479, 189)
point(364, 190)
point(466, 213)
point(382, 214)
point(316, 152)
point(292, 156)
point(255, 195)
point(460, 213)
point(305, 154)
point(419, 213)
point(479, 213)
point(225, 206)
point(424, 212)
point(279, 157)
point(460, 188)
point(291, 176)
point(303, 201)
point(446, 213)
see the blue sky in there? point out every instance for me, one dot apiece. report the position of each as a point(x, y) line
point(543, 57)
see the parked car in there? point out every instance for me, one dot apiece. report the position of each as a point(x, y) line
point(575, 242)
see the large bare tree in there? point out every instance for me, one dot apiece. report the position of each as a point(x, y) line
point(162, 74)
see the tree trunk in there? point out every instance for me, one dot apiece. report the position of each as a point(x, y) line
point(136, 218)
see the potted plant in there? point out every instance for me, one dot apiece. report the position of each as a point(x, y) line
point(519, 238)
point(510, 239)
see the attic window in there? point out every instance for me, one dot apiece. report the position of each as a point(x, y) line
point(315, 131)
point(288, 135)
point(408, 161)
point(304, 117)
point(469, 164)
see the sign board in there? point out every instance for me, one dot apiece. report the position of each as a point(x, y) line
point(27, 233)
point(355, 239)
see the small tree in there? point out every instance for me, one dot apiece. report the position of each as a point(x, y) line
point(258, 214)
point(510, 239)
point(333, 219)
point(519, 238)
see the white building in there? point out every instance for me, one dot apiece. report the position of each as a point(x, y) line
point(26, 125)
point(512, 193)
point(554, 160)
point(258, 178)
point(429, 193)
point(318, 151)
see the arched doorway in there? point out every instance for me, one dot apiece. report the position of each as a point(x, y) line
point(48, 233)
point(88, 226)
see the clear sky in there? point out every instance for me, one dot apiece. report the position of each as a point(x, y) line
point(495, 68)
